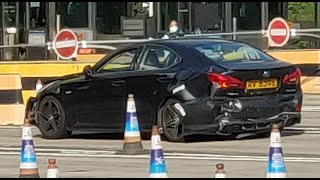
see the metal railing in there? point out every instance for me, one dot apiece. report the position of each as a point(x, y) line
point(102, 44)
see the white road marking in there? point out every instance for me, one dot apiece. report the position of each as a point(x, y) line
point(65, 151)
point(302, 128)
point(224, 157)
point(190, 156)
point(307, 108)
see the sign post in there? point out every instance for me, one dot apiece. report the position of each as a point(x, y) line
point(278, 32)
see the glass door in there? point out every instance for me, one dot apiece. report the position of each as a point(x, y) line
point(184, 16)
point(248, 15)
point(10, 18)
point(208, 16)
point(167, 11)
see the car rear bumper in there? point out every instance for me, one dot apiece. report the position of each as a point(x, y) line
point(226, 116)
point(227, 125)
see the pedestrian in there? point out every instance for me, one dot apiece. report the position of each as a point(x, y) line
point(174, 31)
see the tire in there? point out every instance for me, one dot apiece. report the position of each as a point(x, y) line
point(52, 119)
point(171, 132)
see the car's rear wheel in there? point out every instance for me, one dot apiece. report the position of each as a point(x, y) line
point(171, 122)
point(52, 119)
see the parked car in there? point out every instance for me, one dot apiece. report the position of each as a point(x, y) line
point(186, 86)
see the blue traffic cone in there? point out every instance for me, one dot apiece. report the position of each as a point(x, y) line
point(158, 168)
point(276, 166)
point(132, 138)
point(28, 159)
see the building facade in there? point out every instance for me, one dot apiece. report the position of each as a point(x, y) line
point(38, 22)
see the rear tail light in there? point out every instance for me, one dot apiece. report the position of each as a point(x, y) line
point(225, 82)
point(292, 78)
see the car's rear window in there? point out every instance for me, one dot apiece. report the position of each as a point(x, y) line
point(226, 51)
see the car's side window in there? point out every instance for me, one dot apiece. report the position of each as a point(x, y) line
point(121, 62)
point(158, 58)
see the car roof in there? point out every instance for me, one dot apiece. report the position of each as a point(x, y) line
point(185, 42)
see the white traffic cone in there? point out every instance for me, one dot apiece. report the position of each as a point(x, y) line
point(38, 85)
point(52, 170)
point(28, 159)
point(220, 172)
point(158, 168)
point(132, 138)
point(276, 166)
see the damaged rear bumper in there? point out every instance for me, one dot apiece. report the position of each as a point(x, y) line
point(227, 125)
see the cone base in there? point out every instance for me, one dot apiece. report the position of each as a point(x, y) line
point(158, 175)
point(29, 176)
point(276, 175)
point(133, 149)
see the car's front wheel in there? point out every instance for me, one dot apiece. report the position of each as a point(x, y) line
point(52, 119)
point(171, 121)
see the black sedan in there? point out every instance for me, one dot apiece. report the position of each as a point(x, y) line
point(186, 86)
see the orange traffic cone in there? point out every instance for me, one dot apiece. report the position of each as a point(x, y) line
point(276, 166)
point(132, 139)
point(158, 168)
point(38, 85)
point(28, 159)
point(52, 170)
point(220, 173)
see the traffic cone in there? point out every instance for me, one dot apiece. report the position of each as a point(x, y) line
point(276, 166)
point(52, 170)
point(38, 85)
point(132, 139)
point(158, 168)
point(220, 173)
point(28, 159)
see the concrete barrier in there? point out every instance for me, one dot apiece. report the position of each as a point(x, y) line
point(12, 109)
point(30, 72)
point(308, 61)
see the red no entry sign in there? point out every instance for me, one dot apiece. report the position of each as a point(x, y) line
point(66, 44)
point(279, 32)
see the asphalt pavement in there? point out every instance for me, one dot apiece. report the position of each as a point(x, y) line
point(95, 155)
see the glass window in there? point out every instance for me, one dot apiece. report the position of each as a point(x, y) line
point(275, 10)
point(38, 17)
point(121, 62)
point(168, 12)
point(73, 14)
point(109, 17)
point(10, 10)
point(224, 51)
point(159, 58)
point(303, 13)
point(248, 15)
point(207, 16)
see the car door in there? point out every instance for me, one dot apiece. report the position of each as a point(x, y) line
point(157, 67)
point(103, 97)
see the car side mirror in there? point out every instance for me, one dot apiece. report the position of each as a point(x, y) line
point(87, 71)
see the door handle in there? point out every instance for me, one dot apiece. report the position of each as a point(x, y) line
point(118, 83)
point(163, 79)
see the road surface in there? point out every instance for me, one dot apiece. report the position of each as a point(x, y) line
point(85, 155)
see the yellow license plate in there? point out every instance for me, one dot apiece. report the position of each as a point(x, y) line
point(262, 84)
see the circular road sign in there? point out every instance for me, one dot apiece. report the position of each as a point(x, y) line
point(66, 44)
point(279, 32)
